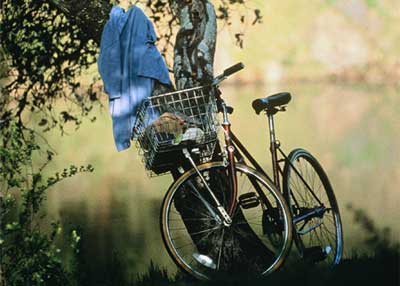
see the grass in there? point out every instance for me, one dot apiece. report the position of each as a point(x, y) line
point(379, 267)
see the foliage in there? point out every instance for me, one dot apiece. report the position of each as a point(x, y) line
point(46, 53)
point(378, 240)
point(50, 44)
point(29, 255)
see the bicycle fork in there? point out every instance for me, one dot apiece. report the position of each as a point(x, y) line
point(226, 218)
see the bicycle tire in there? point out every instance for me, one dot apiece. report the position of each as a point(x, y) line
point(246, 234)
point(320, 239)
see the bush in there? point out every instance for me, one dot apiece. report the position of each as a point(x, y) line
point(29, 255)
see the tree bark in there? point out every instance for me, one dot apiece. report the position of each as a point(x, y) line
point(195, 43)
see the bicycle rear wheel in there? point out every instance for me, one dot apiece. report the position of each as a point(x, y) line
point(316, 218)
point(256, 242)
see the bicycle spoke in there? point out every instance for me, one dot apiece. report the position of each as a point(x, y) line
point(220, 249)
point(182, 246)
point(178, 228)
point(192, 219)
point(203, 231)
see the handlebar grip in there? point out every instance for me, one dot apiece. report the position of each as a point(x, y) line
point(233, 69)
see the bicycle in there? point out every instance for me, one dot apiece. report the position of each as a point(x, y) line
point(229, 216)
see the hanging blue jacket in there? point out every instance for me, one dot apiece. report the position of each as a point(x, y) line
point(128, 63)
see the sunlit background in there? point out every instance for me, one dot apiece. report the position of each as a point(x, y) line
point(339, 59)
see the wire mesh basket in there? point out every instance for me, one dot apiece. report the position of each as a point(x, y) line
point(169, 122)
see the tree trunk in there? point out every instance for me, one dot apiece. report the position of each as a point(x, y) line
point(195, 43)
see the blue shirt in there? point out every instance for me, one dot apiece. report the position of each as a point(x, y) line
point(128, 63)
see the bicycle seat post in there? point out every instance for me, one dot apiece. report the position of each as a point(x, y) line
point(273, 146)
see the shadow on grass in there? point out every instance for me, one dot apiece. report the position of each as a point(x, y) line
point(380, 267)
point(382, 270)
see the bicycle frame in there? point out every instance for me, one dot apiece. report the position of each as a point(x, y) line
point(235, 149)
point(274, 148)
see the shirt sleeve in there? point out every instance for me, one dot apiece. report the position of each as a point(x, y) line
point(151, 33)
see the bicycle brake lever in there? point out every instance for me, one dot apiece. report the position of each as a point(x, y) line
point(217, 80)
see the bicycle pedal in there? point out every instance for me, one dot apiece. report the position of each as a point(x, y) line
point(249, 200)
point(316, 253)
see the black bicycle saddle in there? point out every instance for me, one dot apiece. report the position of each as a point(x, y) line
point(271, 101)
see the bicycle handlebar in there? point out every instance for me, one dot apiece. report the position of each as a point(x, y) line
point(233, 69)
point(228, 72)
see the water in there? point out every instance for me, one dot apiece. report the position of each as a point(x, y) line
point(352, 130)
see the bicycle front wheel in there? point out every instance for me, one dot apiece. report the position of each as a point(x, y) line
point(316, 218)
point(200, 243)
